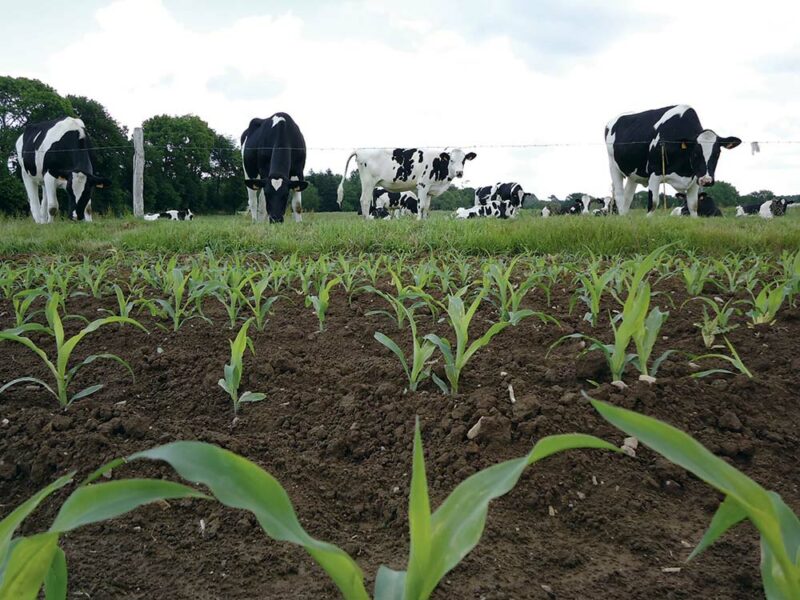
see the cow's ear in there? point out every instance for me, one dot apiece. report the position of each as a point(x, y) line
point(445, 156)
point(470, 156)
point(729, 142)
point(298, 185)
point(254, 184)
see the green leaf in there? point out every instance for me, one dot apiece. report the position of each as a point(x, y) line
point(239, 483)
point(27, 380)
point(252, 397)
point(457, 525)
point(55, 582)
point(419, 520)
point(391, 345)
point(87, 392)
point(10, 523)
point(102, 501)
point(728, 514)
point(27, 566)
point(390, 584)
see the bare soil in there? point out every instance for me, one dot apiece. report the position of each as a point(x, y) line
point(336, 431)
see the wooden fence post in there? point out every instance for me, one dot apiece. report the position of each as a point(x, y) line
point(138, 172)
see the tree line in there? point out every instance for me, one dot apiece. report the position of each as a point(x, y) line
point(187, 163)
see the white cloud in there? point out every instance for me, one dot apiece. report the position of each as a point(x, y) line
point(419, 80)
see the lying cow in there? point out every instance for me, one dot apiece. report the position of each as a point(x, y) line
point(427, 172)
point(640, 144)
point(509, 192)
point(608, 208)
point(393, 204)
point(574, 207)
point(765, 210)
point(705, 206)
point(57, 154)
point(171, 215)
point(274, 157)
point(496, 209)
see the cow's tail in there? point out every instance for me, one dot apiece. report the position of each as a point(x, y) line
point(340, 191)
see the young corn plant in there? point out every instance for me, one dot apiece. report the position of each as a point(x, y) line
point(228, 290)
point(126, 304)
point(745, 499)
point(734, 360)
point(696, 275)
point(767, 304)
point(645, 339)
point(58, 366)
point(233, 371)
point(421, 352)
point(259, 306)
point(712, 326)
point(321, 301)
point(456, 359)
point(93, 276)
point(440, 539)
point(593, 285)
point(185, 293)
point(22, 302)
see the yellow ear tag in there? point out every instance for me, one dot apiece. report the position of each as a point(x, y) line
point(683, 145)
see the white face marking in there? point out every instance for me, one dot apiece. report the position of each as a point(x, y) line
point(276, 119)
point(276, 183)
point(676, 111)
point(78, 185)
point(707, 139)
point(586, 200)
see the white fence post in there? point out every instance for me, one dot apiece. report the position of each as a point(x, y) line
point(138, 172)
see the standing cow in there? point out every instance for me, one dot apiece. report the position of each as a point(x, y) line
point(57, 154)
point(640, 143)
point(426, 172)
point(274, 156)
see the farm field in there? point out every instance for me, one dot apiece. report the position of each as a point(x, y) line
point(336, 426)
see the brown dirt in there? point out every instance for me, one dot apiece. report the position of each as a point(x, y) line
point(336, 431)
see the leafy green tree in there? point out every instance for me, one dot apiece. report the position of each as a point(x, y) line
point(724, 194)
point(757, 197)
point(177, 162)
point(311, 199)
point(226, 191)
point(22, 101)
point(454, 198)
point(112, 156)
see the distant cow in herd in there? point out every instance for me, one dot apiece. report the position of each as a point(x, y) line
point(765, 210)
point(386, 204)
point(706, 207)
point(428, 173)
point(666, 144)
point(57, 154)
point(496, 209)
point(170, 215)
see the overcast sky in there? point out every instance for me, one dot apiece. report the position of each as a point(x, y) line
point(434, 73)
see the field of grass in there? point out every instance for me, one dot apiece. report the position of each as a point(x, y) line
point(333, 232)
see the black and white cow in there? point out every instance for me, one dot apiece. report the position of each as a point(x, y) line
point(429, 173)
point(577, 206)
point(765, 210)
point(57, 154)
point(706, 207)
point(496, 209)
point(172, 215)
point(690, 153)
point(608, 207)
point(510, 192)
point(392, 204)
point(274, 157)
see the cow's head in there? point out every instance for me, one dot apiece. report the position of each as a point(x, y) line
point(456, 158)
point(79, 186)
point(276, 193)
point(704, 153)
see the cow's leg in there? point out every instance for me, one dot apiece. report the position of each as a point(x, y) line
point(367, 186)
point(627, 195)
point(691, 199)
point(618, 188)
point(252, 203)
point(423, 210)
point(261, 215)
point(297, 206)
point(652, 194)
point(50, 202)
point(87, 212)
point(32, 188)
